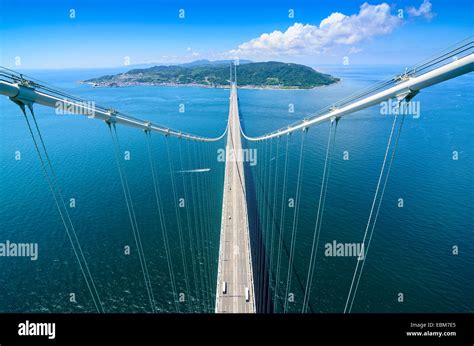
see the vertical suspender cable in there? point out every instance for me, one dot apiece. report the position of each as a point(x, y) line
point(215, 208)
point(178, 219)
point(57, 196)
point(350, 296)
point(282, 223)
point(204, 215)
point(164, 230)
point(378, 207)
point(205, 229)
point(188, 219)
point(267, 230)
point(262, 229)
point(254, 208)
point(199, 258)
point(132, 217)
point(208, 207)
point(273, 221)
point(319, 217)
point(259, 226)
point(263, 233)
point(295, 219)
point(202, 231)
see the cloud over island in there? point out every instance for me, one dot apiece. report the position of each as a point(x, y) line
point(335, 30)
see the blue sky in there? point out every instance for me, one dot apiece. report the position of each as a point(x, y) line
point(112, 33)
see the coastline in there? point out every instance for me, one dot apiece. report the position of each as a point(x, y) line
point(196, 85)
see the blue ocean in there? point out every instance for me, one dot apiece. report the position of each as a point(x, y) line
point(412, 249)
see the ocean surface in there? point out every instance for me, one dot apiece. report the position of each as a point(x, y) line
point(412, 247)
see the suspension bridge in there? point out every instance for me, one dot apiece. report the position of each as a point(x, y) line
point(233, 266)
point(235, 289)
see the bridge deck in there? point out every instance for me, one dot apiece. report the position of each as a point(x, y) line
point(235, 265)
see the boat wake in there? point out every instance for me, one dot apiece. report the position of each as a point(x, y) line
point(195, 170)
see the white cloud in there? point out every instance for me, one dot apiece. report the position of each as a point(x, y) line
point(425, 10)
point(336, 30)
point(354, 50)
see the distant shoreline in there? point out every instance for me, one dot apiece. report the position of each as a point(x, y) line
point(196, 85)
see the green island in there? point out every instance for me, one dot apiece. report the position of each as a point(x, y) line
point(264, 75)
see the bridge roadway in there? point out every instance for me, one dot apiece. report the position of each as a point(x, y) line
point(235, 264)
